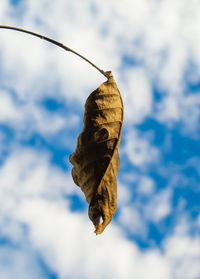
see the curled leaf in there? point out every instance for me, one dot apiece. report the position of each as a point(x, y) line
point(96, 159)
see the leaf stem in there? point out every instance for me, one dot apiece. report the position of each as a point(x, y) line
point(106, 74)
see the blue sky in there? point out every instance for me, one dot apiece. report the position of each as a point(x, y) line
point(152, 47)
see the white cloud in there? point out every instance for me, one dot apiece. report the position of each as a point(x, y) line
point(159, 206)
point(169, 110)
point(139, 150)
point(8, 109)
point(182, 252)
point(132, 220)
point(123, 193)
point(146, 186)
point(28, 174)
point(137, 96)
point(31, 194)
point(184, 255)
point(63, 239)
point(29, 117)
point(19, 262)
point(181, 109)
point(190, 113)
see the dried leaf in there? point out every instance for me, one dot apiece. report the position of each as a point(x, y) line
point(96, 159)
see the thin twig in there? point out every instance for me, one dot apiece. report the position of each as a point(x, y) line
point(106, 74)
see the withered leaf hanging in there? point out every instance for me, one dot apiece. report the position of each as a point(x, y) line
point(96, 160)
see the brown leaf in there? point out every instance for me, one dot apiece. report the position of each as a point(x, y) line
point(96, 159)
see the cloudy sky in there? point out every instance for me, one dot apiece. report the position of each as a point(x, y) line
point(152, 47)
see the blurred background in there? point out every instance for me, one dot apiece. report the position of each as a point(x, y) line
point(152, 47)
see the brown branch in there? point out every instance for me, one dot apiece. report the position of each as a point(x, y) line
point(106, 74)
